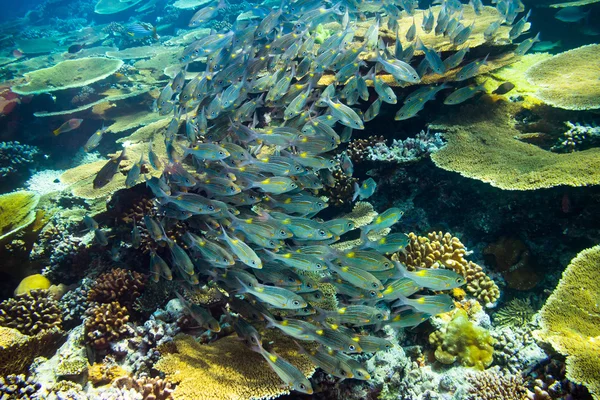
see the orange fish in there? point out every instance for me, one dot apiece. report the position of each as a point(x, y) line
point(71, 124)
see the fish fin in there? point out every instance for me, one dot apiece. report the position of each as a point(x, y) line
point(400, 302)
point(356, 191)
point(56, 132)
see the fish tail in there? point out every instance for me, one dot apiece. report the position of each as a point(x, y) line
point(56, 132)
point(356, 191)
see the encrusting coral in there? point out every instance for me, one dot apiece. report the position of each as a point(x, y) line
point(106, 323)
point(17, 211)
point(117, 285)
point(481, 145)
point(31, 313)
point(566, 84)
point(463, 341)
point(227, 368)
point(438, 250)
point(570, 319)
point(17, 350)
point(488, 385)
point(68, 74)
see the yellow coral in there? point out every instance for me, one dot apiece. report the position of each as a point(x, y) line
point(569, 80)
point(482, 145)
point(463, 341)
point(33, 282)
point(17, 350)
point(68, 74)
point(227, 369)
point(439, 250)
point(570, 319)
point(17, 211)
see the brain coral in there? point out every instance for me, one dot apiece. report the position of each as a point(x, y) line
point(569, 80)
point(68, 74)
point(227, 368)
point(481, 145)
point(570, 319)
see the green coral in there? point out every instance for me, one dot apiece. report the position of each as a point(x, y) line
point(321, 34)
point(463, 341)
point(17, 211)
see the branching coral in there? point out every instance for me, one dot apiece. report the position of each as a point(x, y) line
point(463, 341)
point(106, 323)
point(18, 387)
point(31, 313)
point(566, 84)
point(16, 157)
point(439, 250)
point(227, 369)
point(570, 320)
point(408, 150)
point(117, 285)
point(148, 388)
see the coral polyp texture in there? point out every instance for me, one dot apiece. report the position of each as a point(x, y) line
point(117, 285)
point(439, 250)
point(565, 84)
point(570, 319)
point(227, 368)
point(31, 313)
point(106, 323)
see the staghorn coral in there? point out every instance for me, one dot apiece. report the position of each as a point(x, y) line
point(17, 211)
point(490, 385)
point(566, 84)
point(31, 313)
point(106, 323)
point(118, 285)
point(570, 320)
point(439, 250)
point(463, 341)
point(516, 313)
point(226, 368)
point(68, 74)
point(18, 387)
point(481, 145)
point(16, 158)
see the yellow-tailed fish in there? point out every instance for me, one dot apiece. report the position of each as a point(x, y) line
point(365, 190)
point(200, 315)
point(287, 372)
point(385, 220)
point(366, 260)
point(358, 370)
point(68, 126)
point(434, 305)
point(159, 267)
point(357, 277)
point(207, 151)
point(275, 296)
point(276, 185)
point(400, 287)
point(336, 340)
point(242, 251)
point(293, 327)
point(433, 278)
point(373, 344)
point(407, 318)
point(328, 363)
point(303, 262)
point(211, 252)
point(355, 315)
point(247, 332)
point(389, 244)
point(180, 258)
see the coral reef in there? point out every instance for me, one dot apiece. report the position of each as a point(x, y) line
point(481, 145)
point(148, 388)
point(31, 313)
point(16, 158)
point(118, 285)
point(516, 313)
point(32, 282)
point(490, 385)
point(407, 150)
point(516, 350)
point(68, 74)
point(570, 321)
point(438, 250)
point(226, 369)
point(17, 211)
point(464, 342)
point(358, 149)
point(106, 323)
point(578, 137)
point(556, 85)
point(17, 350)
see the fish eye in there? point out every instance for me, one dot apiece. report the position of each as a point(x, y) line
point(224, 259)
point(282, 232)
point(291, 279)
point(373, 293)
point(352, 347)
point(375, 285)
point(317, 296)
point(379, 316)
point(319, 204)
point(309, 285)
point(253, 262)
point(387, 264)
point(359, 373)
point(302, 386)
point(321, 232)
point(319, 266)
point(211, 208)
point(232, 188)
point(221, 153)
point(452, 306)
point(295, 302)
point(298, 168)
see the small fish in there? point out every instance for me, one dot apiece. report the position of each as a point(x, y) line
point(491, 30)
point(526, 44)
point(304, 262)
point(354, 315)
point(546, 45)
point(358, 370)
point(200, 315)
point(136, 237)
point(433, 278)
point(571, 14)
point(518, 27)
point(293, 327)
point(339, 226)
point(400, 70)
point(346, 165)
point(385, 220)
point(357, 277)
point(207, 151)
point(400, 287)
point(159, 267)
point(100, 237)
point(412, 31)
point(277, 297)
point(68, 126)
point(328, 363)
point(94, 140)
point(90, 222)
point(336, 340)
point(373, 344)
point(75, 48)
point(428, 21)
point(247, 332)
point(242, 251)
point(134, 173)
point(141, 30)
point(365, 190)
point(289, 374)
point(434, 304)
point(108, 171)
point(373, 110)
point(455, 59)
point(154, 228)
point(407, 318)
point(471, 69)
point(463, 94)
point(391, 243)
point(180, 258)
point(206, 13)
point(366, 260)
point(504, 88)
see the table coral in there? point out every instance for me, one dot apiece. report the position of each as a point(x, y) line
point(569, 80)
point(463, 341)
point(481, 145)
point(227, 369)
point(31, 313)
point(17, 350)
point(438, 250)
point(570, 319)
point(17, 211)
point(68, 74)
